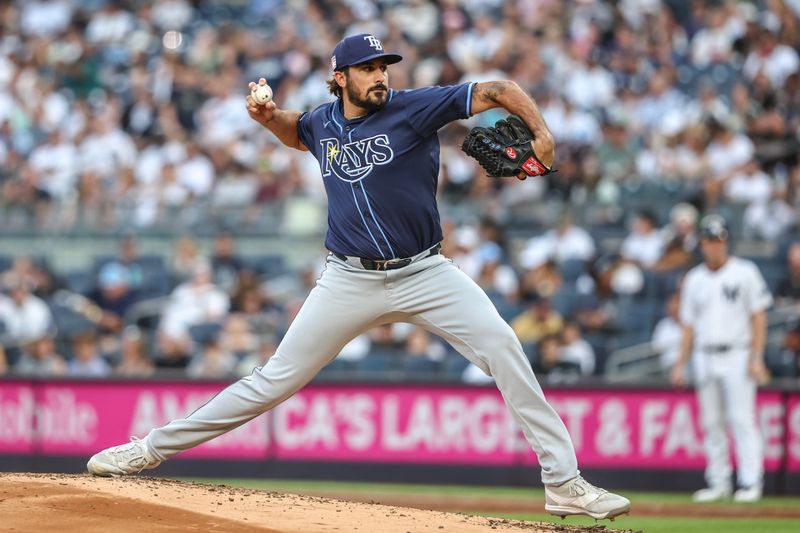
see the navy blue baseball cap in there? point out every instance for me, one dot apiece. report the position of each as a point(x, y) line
point(714, 227)
point(360, 49)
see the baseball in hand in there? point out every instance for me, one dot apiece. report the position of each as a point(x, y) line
point(261, 94)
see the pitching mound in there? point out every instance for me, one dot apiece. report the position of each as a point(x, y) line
point(80, 503)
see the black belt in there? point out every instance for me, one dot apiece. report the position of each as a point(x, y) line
point(718, 348)
point(389, 264)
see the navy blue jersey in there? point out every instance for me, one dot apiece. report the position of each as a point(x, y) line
point(381, 170)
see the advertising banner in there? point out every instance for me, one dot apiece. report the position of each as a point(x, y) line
point(386, 424)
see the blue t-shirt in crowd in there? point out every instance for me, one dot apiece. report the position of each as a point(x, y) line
point(381, 170)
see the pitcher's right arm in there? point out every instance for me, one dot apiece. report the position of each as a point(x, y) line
point(282, 124)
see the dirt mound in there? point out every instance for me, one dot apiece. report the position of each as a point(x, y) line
point(81, 503)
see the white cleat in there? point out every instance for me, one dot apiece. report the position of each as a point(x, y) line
point(122, 460)
point(579, 497)
point(748, 494)
point(711, 494)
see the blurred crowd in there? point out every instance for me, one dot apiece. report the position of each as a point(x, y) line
point(129, 116)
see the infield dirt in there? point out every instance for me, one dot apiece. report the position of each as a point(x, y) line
point(80, 503)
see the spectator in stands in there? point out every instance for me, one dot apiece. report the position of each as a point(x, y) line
point(266, 349)
point(252, 300)
point(128, 259)
point(680, 236)
point(192, 303)
point(113, 295)
point(212, 361)
point(40, 359)
point(771, 58)
point(86, 360)
point(563, 243)
point(357, 349)
point(186, 254)
point(617, 153)
point(667, 335)
point(769, 220)
point(726, 154)
point(538, 320)
point(26, 317)
point(542, 280)
point(134, 361)
point(748, 186)
point(714, 42)
point(575, 349)
point(3, 361)
point(420, 344)
point(466, 255)
point(225, 263)
point(789, 357)
point(551, 364)
point(788, 289)
point(644, 245)
point(494, 276)
point(238, 336)
point(22, 269)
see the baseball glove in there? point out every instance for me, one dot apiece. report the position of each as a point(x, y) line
point(505, 149)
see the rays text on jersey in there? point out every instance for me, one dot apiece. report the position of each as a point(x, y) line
point(355, 160)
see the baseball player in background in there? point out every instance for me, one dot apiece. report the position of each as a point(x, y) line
point(378, 153)
point(724, 303)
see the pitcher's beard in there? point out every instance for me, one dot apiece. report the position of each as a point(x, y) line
point(374, 100)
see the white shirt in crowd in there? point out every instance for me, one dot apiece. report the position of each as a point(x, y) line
point(27, 322)
point(580, 353)
point(57, 165)
point(190, 305)
point(573, 243)
point(749, 188)
point(777, 66)
point(667, 341)
point(724, 158)
point(646, 248)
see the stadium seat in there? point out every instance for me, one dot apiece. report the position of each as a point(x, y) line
point(80, 281)
point(5, 262)
point(453, 366)
point(572, 269)
point(417, 366)
point(205, 333)
point(379, 360)
point(68, 321)
point(267, 266)
point(338, 366)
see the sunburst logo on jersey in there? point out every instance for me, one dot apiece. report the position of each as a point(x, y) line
point(333, 152)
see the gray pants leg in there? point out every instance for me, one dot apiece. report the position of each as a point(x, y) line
point(347, 300)
point(450, 304)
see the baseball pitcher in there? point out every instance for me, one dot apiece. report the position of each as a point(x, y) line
point(378, 154)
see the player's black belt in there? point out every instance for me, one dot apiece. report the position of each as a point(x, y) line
point(390, 264)
point(719, 348)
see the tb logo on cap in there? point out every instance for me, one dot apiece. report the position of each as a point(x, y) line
point(374, 42)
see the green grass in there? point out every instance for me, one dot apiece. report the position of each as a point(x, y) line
point(648, 524)
point(281, 485)
point(661, 524)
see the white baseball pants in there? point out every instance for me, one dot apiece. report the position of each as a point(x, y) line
point(727, 397)
point(348, 300)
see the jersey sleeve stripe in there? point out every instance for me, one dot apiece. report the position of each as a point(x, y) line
point(469, 99)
